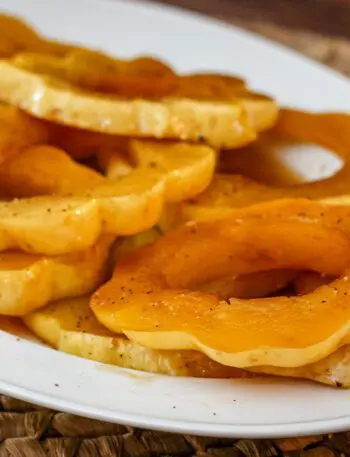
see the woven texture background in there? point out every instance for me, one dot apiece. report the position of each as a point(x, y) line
point(30, 431)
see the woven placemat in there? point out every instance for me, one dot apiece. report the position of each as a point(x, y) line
point(30, 431)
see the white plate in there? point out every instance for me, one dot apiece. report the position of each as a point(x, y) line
point(209, 407)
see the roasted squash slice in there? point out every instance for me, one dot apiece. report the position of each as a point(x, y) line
point(235, 191)
point(154, 300)
point(29, 282)
point(70, 326)
point(187, 169)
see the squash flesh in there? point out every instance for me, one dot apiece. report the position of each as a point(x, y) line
point(155, 301)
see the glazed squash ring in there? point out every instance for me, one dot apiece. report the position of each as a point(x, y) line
point(329, 130)
point(154, 296)
point(227, 191)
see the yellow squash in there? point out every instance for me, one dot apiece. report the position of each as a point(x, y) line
point(29, 282)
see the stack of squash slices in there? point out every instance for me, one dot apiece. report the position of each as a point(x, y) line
point(145, 222)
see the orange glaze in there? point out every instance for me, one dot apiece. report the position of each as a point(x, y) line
point(154, 288)
point(331, 131)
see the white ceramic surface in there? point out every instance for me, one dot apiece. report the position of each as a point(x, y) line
point(260, 408)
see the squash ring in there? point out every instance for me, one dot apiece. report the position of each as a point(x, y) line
point(152, 297)
point(226, 191)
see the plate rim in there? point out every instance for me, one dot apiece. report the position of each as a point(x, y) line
point(209, 429)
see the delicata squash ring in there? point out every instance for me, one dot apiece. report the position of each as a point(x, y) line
point(228, 191)
point(29, 282)
point(186, 169)
point(330, 130)
point(154, 298)
point(65, 206)
point(221, 123)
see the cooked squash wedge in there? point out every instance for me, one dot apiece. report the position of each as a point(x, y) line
point(83, 144)
point(253, 285)
point(70, 326)
point(333, 370)
point(157, 303)
point(46, 170)
point(28, 282)
point(19, 131)
point(17, 36)
point(56, 225)
point(220, 123)
point(187, 169)
point(235, 191)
